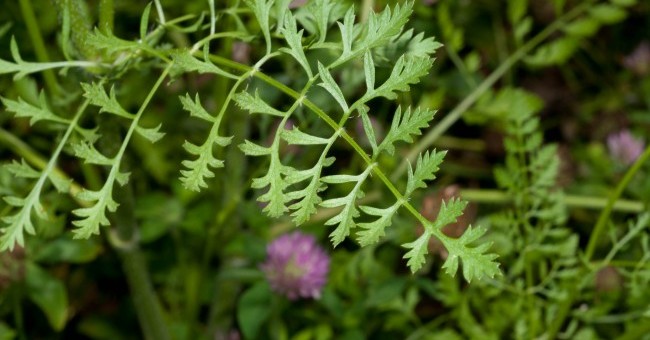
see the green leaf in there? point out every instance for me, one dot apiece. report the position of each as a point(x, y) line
point(199, 169)
point(89, 154)
point(108, 42)
point(607, 14)
point(584, 27)
point(276, 184)
point(419, 249)
point(195, 108)
point(94, 216)
point(21, 169)
point(404, 126)
point(108, 103)
point(185, 61)
point(556, 52)
point(253, 309)
point(280, 10)
point(347, 32)
point(49, 294)
point(369, 70)
point(375, 230)
point(345, 218)
point(297, 137)
point(251, 149)
point(476, 263)
point(425, 170)
point(255, 104)
point(20, 222)
point(330, 85)
point(262, 9)
point(22, 109)
point(151, 134)
point(407, 70)
point(320, 12)
point(294, 39)
point(308, 197)
point(144, 22)
point(385, 26)
point(368, 129)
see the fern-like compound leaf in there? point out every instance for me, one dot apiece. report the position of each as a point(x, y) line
point(107, 102)
point(404, 126)
point(477, 264)
point(255, 104)
point(35, 114)
point(330, 85)
point(425, 170)
point(294, 39)
point(375, 230)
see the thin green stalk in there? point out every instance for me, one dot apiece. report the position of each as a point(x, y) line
point(39, 45)
point(106, 16)
point(601, 224)
point(576, 201)
point(464, 105)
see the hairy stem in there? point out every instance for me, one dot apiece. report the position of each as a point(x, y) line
point(106, 16)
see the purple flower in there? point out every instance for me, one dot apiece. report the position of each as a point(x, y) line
point(296, 266)
point(624, 147)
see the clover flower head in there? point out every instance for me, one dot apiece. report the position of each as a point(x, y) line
point(296, 266)
point(624, 147)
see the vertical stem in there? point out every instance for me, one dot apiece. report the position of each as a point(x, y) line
point(366, 8)
point(601, 225)
point(106, 16)
point(39, 45)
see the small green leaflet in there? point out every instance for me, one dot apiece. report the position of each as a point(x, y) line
point(404, 126)
point(308, 196)
point(199, 169)
point(294, 39)
point(90, 155)
point(319, 11)
point(110, 43)
point(419, 249)
point(385, 26)
point(94, 216)
point(425, 170)
point(297, 137)
point(108, 103)
point(476, 263)
point(345, 218)
point(330, 85)
point(262, 9)
point(35, 114)
point(186, 62)
point(407, 70)
point(347, 32)
point(374, 230)
point(274, 179)
point(255, 104)
point(195, 108)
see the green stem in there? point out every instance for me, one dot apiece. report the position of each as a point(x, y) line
point(587, 202)
point(106, 16)
point(39, 45)
point(601, 224)
point(464, 105)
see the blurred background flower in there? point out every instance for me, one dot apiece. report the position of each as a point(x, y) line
point(624, 147)
point(296, 266)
